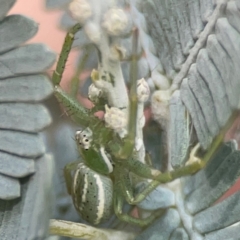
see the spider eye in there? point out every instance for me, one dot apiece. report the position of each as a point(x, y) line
point(84, 138)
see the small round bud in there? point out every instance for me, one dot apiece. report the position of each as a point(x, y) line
point(116, 22)
point(115, 118)
point(143, 90)
point(160, 105)
point(93, 32)
point(80, 10)
point(94, 93)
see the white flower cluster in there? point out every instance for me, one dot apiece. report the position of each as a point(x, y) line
point(80, 10)
point(160, 105)
point(116, 22)
point(94, 93)
point(116, 119)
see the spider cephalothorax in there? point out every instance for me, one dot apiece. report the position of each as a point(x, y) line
point(84, 138)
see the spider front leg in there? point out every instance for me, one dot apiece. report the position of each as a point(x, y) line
point(66, 48)
point(118, 202)
point(123, 191)
point(79, 113)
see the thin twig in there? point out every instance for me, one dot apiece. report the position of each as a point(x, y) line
point(78, 230)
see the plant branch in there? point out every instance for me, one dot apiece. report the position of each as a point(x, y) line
point(78, 230)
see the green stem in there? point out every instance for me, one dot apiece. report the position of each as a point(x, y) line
point(129, 143)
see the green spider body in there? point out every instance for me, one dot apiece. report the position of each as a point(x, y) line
point(91, 186)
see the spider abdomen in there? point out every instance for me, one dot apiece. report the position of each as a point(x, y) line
point(92, 194)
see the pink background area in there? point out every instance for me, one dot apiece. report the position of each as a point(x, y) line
point(49, 32)
point(47, 20)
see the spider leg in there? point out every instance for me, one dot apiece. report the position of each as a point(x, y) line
point(74, 109)
point(68, 175)
point(118, 202)
point(66, 48)
point(124, 183)
point(143, 170)
point(126, 193)
point(77, 112)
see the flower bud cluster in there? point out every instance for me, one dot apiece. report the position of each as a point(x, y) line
point(80, 10)
point(94, 93)
point(116, 119)
point(160, 105)
point(116, 22)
